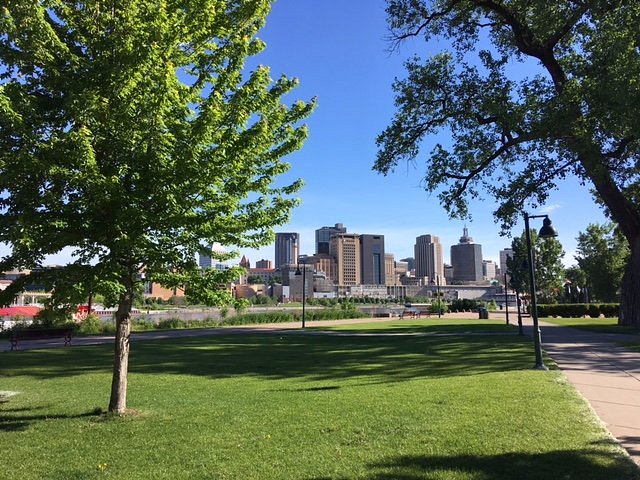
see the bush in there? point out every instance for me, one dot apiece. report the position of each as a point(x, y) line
point(93, 325)
point(464, 304)
point(49, 317)
point(142, 325)
point(171, 323)
point(575, 310)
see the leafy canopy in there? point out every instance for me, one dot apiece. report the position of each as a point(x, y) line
point(131, 132)
point(602, 254)
point(525, 93)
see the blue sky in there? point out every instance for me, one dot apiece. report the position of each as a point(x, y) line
point(340, 52)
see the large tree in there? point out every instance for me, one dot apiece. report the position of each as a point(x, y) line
point(602, 254)
point(131, 132)
point(530, 92)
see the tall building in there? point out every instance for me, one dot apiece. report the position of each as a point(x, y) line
point(324, 234)
point(489, 269)
point(372, 271)
point(345, 248)
point(428, 258)
point(287, 248)
point(411, 263)
point(324, 263)
point(204, 258)
point(389, 269)
point(466, 260)
point(264, 264)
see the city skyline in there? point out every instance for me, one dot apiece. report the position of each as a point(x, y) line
point(345, 60)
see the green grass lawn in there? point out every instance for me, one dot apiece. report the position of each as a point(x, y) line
point(427, 325)
point(302, 407)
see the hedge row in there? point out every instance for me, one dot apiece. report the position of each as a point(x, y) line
point(283, 317)
point(574, 310)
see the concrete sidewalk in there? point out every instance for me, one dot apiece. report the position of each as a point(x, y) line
point(605, 373)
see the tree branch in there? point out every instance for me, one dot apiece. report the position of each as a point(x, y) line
point(620, 149)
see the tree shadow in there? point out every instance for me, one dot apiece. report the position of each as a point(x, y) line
point(10, 422)
point(585, 464)
point(311, 357)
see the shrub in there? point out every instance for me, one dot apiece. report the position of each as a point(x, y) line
point(574, 310)
point(94, 325)
point(171, 323)
point(610, 309)
point(142, 324)
point(464, 304)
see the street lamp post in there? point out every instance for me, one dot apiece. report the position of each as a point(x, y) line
point(506, 298)
point(304, 285)
point(439, 298)
point(545, 232)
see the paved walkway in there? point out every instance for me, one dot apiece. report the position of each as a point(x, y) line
point(606, 374)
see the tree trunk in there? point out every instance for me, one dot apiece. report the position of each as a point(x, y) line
point(118, 401)
point(630, 298)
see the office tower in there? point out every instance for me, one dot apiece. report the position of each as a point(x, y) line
point(323, 237)
point(411, 263)
point(204, 258)
point(389, 269)
point(287, 248)
point(264, 264)
point(372, 260)
point(345, 248)
point(489, 269)
point(324, 263)
point(401, 268)
point(428, 258)
point(466, 260)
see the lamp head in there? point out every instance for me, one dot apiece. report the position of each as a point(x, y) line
point(547, 229)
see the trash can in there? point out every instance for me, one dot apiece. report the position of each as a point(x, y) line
point(483, 313)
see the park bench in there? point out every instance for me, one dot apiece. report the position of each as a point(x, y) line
point(415, 313)
point(40, 334)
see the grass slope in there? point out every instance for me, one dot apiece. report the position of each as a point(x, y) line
point(302, 407)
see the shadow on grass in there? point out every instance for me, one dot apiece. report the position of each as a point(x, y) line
point(469, 328)
point(586, 464)
point(13, 422)
point(379, 359)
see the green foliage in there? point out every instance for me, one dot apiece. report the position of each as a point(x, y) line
point(439, 305)
point(549, 270)
point(526, 93)
point(464, 305)
point(284, 316)
point(575, 310)
point(505, 130)
point(254, 280)
point(262, 300)
point(602, 255)
point(93, 325)
point(53, 316)
point(134, 135)
point(172, 323)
